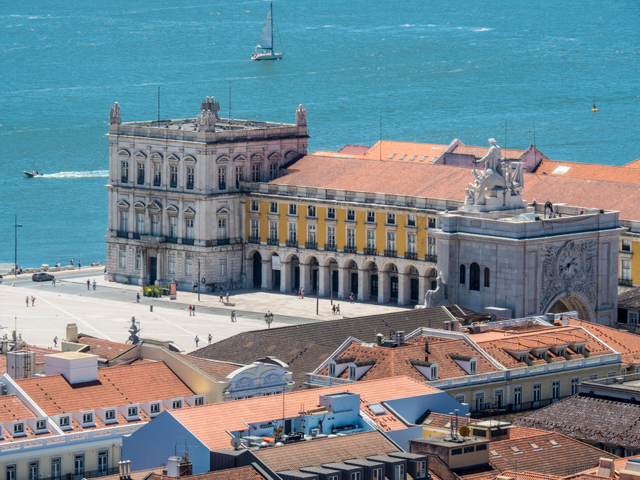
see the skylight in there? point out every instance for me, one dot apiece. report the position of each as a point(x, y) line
point(392, 155)
point(423, 158)
point(377, 409)
point(561, 170)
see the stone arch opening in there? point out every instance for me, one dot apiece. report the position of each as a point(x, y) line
point(257, 270)
point(569, 304)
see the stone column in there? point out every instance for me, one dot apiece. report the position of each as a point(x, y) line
point(324, 277)
point(343, 283)
point(404, 292)
point(422, 288)
point(363, 285)
point(383, 287)
point(267, 280)
point(285, 277)
point(305, 278)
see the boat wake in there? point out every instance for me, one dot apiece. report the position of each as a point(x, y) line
point(94, 173)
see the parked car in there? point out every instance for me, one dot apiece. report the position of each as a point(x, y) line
point(42, 277)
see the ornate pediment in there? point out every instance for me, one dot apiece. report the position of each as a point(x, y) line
point(223, 211)
point(124, 153)
point(140, 155)
point(274, 157)
point(257, 157)
point(189, 159)
point(123, 204)
point(222, 159)
point(189, 211)
point(154, 205)
point(173, 209)
point(156, 156)
point(240, 158)
point(173, 158)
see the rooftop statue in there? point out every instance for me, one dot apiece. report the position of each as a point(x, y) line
point(114, 115)
point(208, 117)
point(498, 176)
point(301, 116)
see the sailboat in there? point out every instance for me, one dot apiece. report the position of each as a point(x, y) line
point(264, 48)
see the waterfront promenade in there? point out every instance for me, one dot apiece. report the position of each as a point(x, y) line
point(106, 311)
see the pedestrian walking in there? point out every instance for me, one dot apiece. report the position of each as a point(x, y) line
point(27, 300)
point(210, 338)
point(53, 281)
point(55, 341)
point(88, 283)
point(233, 316)
point(72, 261)
point(338, 309)
point(227, 297)
point(196, 340)
point(299, 293)
point(221, 295)
point(193, 308)
point(138, 297)
point(79, 264)
point(302, 293)
point(351, 297)
point(193, 287)
point(94, 284)
point(33, 301)
point(190, 310)
point(333, 309)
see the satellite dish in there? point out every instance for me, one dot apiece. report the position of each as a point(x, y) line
point(464, 431)
point(236, 442)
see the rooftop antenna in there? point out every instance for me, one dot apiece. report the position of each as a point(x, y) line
point(158, 105)
point(529, 136)
point(505, 134)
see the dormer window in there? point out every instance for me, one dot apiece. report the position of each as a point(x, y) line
point(87, 418)
point(64, 421)
point(155, 408)
point(579, 350)
point(110, 414)
point(473, 366)
point(41, 425)
point(434, 372)
point(177, 404)
point(199, 401)
point(133, 411)
point(332, 369)
point(353, 372)
point(18, 428)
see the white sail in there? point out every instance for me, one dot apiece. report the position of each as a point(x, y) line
point(266, 36)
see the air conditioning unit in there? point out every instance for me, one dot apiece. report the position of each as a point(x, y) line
point(315, 432)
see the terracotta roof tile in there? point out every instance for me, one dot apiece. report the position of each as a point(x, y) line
point(628, 344)
point(115, 386)
point(480, 152)
point(420, 153)
point(12, 408)
point(104, 348)
point(211, 422)
point(238, 473)
point(592, 171)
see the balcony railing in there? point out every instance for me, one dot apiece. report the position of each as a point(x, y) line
point(124, 179)
point(330, 247)
point(349, 249)
point(189, 185)
point(273, 241)
point(311, 245)
point(624, 282)
point(123, 234)
point(171, 240)
point(157, 182)
point(224, 241)
point(370, 251)
point(431, 258)
point(222, 186)
point(254, 240)
point(91, 474)
point(292, 242)
point(188, 241)
point(140, 180)
point(388, 252)
point(173, 184)
point(411, 255)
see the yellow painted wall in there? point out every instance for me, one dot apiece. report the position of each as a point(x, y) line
point(421, 223)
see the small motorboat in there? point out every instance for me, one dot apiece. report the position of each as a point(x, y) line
point(33, 173)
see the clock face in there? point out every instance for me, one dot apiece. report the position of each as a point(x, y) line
point(568, 264)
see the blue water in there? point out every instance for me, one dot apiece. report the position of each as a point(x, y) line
point(413, 70)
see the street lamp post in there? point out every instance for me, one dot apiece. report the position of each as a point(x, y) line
point(268, 317)
point(15, 249)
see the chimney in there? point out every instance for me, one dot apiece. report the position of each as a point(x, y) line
point(379, 339)
point(455, 325)
point(426, 347)
point(179, 467)
point(124, 470)
point(74, 366)
point(400, 337)
point(72, 333)
point(606, 468)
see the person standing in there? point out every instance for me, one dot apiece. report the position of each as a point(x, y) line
point(193, 308)
point(79, 264)
point(55, 341)
point(210, 338)
point(227, 297)
point(138, 297)
point(72, 261)
point(338, 309)
point(27, 300)
point(302, 293)
point(33, 301)
point(88, 281)
point(53, 281)
point(233, 316)
point(221, 295)
point(190, 310)
point(196, 340)
point(94, 283)
point(333, 309)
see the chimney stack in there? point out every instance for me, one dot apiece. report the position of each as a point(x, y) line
point(72, 333)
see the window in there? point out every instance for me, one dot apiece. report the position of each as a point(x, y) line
point(434, 373)
point(293, 209)
point(399, 471)
point(351, 237)
point(431, 222)
point(463, 274)
point(18, 428)
point(239, 174)
point(155, 225)
point(411, 243)
point(331, 236)
point(191, 175)
point(473, 367)
point(351, 215)
point(353, 372)
point(371, 217)
point(255, 206)
point(293, 231)
point(255, 172)
point(411, 220)
point(140, 223)
point(124, 171)
point(332, 369)
point(273, 230)
point(189, 228)
point(173, 227)
point(141, 174)
point(371, 239)
point(255, 229)
point(87, 418)
point(311, 211)
point(625, 271)
point(391, 218)
point(498, 398)
point(537, 392)
point(222, 178)
point(626, 245)
point(377, 474)
point(199, 401)
point(355, 476)
point(431, 247)
point(474, 276)
point(555, 389)
point(123, 259)
point(155, 408)
point(632, 318)
point(133, 411)
point(273, 207)
point(459, 398)
point(331, 213)
point(575, 382)
point(138, 261)
point(110, 414)
point(273, 171)
point(177, 404)
point(78, 465)
point(103, 461)
point(222, 229)
point(41, 424)
point(479, 401)
point(157, 174)
point(487, 278)
point(222, 267)
point(124, 221)
point(172, 265)
point(10, 472)
point(56, 467)
point(173, 176)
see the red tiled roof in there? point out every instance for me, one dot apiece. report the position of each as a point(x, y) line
point(238, 473)
point(480, 152)
point(354, 149)
point(104, 348)
point(593, 171)
point(628, 344)
point(421, 153)
point(115, 386)
point(210, 422)
point(12, 408)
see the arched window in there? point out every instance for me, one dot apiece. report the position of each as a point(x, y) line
point(487, 277)
point(474, 276)
point(463, 274)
